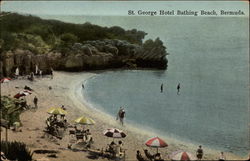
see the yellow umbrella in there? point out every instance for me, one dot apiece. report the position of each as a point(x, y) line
point(57, 111)
point(85, 121)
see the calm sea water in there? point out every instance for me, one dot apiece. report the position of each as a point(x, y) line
point(208, 57)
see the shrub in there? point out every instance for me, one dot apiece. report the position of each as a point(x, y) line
point(16, 151)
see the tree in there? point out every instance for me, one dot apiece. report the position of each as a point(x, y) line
point(68, 39)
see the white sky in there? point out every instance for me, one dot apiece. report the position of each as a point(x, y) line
point(116, 7)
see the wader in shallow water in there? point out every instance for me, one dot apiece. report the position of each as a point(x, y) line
point(121, 115)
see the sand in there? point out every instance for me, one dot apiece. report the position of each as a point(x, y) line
point(66, 90)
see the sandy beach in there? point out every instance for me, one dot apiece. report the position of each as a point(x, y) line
point(66, 90)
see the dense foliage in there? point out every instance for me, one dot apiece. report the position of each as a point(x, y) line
point(16, 151)
point(28, 32)
point(11, 109)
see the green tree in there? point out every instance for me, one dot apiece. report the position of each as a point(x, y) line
point(68, 39)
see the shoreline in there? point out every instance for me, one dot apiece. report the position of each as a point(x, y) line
point(144, 134)
point(67, 91)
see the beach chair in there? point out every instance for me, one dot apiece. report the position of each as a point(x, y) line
point(72, 132)
point(139, 156)
point(79, 136)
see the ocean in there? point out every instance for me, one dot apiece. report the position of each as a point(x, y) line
point(208, 57)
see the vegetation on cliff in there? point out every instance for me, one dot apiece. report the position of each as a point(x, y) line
point(53, 32)
point(27, 41)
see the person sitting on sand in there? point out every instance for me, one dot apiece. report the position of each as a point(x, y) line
point(48, 122)
point(222, 157)
point(89, 138)
point(119, 149)
point(111, 148)
point(148, 155)
point(23, 104)
point(199, 153)
point(77, 131)
point(28, 88)
point(139, 156)
point(63, 107)
point(88, 135)
point(157, 157)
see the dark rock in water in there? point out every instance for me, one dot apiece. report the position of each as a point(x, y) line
point(89, 55)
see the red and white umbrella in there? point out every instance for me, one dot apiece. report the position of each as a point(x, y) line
point(114, 133)
point(182, 156)
point(5, 80)
point(22, 93)
point(156, 142)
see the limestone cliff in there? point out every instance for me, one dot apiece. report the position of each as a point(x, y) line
point(89, 55)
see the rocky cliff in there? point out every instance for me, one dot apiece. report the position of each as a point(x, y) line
point(89, 55)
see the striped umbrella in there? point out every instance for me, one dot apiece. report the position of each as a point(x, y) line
point(85, 121)
point(182, 156)
point(5, 80)
point(22, 93)
point(57, 111)
point(114, 133)
point(156, 142)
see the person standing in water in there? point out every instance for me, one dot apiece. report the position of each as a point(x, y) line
point(178, 88)
point(121, 115)
point(199, 153)
point(161, 87)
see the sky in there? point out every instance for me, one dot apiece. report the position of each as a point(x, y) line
point(116, 7)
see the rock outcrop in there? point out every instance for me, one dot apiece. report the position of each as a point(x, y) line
point(89, 55)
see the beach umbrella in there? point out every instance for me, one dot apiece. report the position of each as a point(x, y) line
point(114, 133)
point(84, 121)
point(182, 156)
point(22, 93)
point(5, 80)
point(156, 142)
point(57, 111)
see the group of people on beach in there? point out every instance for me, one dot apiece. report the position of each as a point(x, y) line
point(82, 135)
point(121, 113)
point(149, 156)
point(199, 154)
point(38, 72)
point(115, 149)
point(157, 156)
